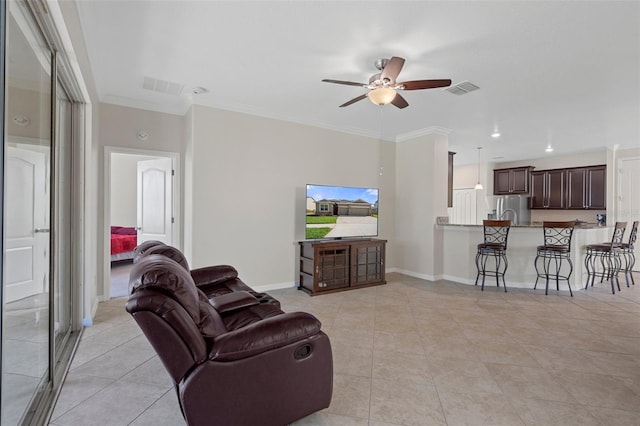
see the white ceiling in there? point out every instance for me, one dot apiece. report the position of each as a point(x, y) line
point(562, 72)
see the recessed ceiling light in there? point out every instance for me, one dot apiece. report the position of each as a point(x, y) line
point(199, 90)
point(142, 135)
point(549, 148)
point(495, 135)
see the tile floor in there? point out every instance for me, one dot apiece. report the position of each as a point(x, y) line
point(120, 278)
point(409, 352)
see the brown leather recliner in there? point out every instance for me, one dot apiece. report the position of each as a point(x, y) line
point(269, 372)
point(212, 280)
point(221, 282)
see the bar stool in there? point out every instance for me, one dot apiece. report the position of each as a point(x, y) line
point(496, 233)
point(609, 255)
point(556, 248)
point(628, 254)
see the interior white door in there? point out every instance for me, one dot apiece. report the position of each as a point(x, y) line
point(155, 201)
point(27, 223)
point(628, 190)
point(464, 206)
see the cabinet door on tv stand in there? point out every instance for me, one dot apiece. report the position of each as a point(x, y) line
point(367, 263)
point(332, 268)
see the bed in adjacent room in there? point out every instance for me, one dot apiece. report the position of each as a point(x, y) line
point(123, 240)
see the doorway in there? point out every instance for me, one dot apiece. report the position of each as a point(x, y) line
point(141, 195)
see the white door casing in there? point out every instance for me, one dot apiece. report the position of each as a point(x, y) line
point(154, 198)
point(27, 223)
point(628, 190)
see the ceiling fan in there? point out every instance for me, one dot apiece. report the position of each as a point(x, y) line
point(383, 85)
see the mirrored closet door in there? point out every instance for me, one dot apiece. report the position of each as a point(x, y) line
point(38, 199)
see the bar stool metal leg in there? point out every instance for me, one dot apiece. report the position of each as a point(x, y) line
point(504, 272)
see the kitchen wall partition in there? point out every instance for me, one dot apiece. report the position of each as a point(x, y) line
point(41, 198)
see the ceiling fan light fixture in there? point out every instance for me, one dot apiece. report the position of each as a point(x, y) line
point(382, 95)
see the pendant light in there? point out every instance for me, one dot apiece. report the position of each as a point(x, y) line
point(478, 186)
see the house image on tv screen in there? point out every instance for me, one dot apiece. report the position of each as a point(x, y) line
point(337, 211)
point(345, 208)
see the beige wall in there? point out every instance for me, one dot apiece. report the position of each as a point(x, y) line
point(29, 103)
point(249, 176)
point(465, 176)
point(421, 179)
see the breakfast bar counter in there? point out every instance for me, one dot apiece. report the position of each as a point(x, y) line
point(461, 241)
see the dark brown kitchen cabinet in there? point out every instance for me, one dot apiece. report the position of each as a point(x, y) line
point(586, 188)
point(547, 189)
point(511, 181)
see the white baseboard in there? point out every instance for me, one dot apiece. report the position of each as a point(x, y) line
point(274, 286)
point(488, 281)
point(416, 274)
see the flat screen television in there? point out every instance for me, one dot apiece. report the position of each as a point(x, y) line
point(341, 212)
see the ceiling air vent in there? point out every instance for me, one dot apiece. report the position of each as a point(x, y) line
point(162, 86)
point(462, 88)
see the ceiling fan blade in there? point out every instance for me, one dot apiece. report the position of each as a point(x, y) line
point(348, 83)
point(425, 84)
point(399, 101)
point(354, 100)
point(392, 69)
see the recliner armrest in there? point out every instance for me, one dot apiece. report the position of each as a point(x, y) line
point(232, 301)
point(210, 275)
point(263, 336)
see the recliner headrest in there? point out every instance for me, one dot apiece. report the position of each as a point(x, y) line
point(170, 252)
point(158, 272)
point(142, 248)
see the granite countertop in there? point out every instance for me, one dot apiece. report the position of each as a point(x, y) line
point(584, 225)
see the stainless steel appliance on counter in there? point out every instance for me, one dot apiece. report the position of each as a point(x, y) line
point(514, 208)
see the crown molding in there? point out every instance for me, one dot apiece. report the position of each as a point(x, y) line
point(431, 130)
point(259, 112)
point(183, 109)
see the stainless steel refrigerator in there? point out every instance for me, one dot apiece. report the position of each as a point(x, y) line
point(514, 208)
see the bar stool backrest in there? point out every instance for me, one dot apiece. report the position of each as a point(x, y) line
point(558, 234)
point(496, 231)
point(633, 234)
point(618, 234)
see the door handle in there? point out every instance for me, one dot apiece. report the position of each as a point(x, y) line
point(138, 228)
point(42, 230)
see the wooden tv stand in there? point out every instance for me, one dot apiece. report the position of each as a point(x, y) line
point(337, 265)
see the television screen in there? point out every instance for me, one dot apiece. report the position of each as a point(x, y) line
point(341, 211)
